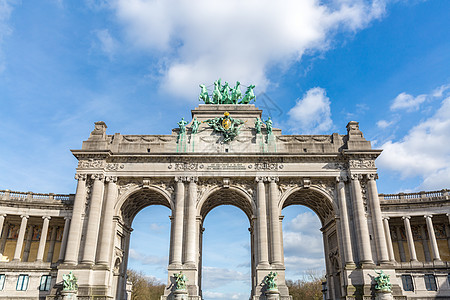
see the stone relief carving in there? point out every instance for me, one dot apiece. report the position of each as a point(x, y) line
point(361, 163)
point(91, 164)
point(187, 166)
point(114, 166)
point(268, 166)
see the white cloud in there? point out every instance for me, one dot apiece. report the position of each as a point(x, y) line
point(215, 277)
point(148, 259)
point(408, 102)
point(312, 113)
point(107, 43)
point(384, 124)
point(440, 91)
point(236, 40)
point(423, 151)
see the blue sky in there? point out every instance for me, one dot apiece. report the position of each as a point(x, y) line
point(137, 64)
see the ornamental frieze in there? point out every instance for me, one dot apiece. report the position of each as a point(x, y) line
point(361, 163)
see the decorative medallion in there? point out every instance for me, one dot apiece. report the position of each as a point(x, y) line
point(228, 126)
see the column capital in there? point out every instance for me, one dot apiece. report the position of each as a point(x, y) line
point(356, 176)
point(406, 217)
point(98, 176)
point(273, 179)
point(341, 179)
point(180, 179)
point(192, 179)
point(46, 217)
point(386, 218)
point(259, 179)
point(111, 179)
point(67, 218)
point(80, 177)
point(25, 216)
point(372, 176)
point(3, 215)
point(428, 216)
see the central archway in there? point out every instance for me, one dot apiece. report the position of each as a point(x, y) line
point(230, 196)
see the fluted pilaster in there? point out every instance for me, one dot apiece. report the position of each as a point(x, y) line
point(93, 225)
point(263, 245)
point(359, 215)
point(73, 241)
point(106, 237)
point(191, 230)
point(345, 228)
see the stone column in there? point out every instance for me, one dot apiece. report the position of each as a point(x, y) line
point(73, 240)
point(447, 230)
point(26, 251)
point(3, 236)
point(191, 231)
point(401, 249)
point(410, 239)
point(51, 248)
point(387, 233)
point(178, 221)
point(359, 215)
point(345, 228)
point(62, 250)
point(380, 238)
point(2, 222)
point(93, 225)
point(106, 238)
point(432, 237)
point(426, 250)
point(263, 245)
point(274, 222)
point(19, 244)
point(43, 240)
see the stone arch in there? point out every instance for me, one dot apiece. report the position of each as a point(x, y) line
point(312, 197)
point(136, 199)
point(232, 195)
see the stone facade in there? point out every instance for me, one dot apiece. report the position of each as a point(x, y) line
point(44, 236)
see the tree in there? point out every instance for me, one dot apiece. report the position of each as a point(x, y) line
point(309, 288)
point(144, 287)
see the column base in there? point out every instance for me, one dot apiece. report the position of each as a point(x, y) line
point(180, 295)
point(380, 295)
point(69, 295)
point(272, 295)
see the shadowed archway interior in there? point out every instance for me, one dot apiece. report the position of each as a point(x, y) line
point(138, 201)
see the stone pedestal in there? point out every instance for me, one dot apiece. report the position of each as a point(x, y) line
point(272, 295)
point(383, 295)
point(69, 295)
point(180, 295)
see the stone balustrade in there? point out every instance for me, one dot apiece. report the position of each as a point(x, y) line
point(8, 195)
point(416, 197)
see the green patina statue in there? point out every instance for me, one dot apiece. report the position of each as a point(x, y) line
point(182, 125)
point(236, 93)
point(269, 124)
point(228, 126)
point(180, 281)
point(258, 124)
point(383, 282)
point(204, 95)
point(270, 281)
point(224, 94)
point(217, 95)
point(195, 124)
point(249, 95)
point(70, 282)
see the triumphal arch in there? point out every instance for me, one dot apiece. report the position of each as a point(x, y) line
point(227, 155)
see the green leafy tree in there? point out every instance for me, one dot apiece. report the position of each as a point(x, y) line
point(144, 288)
